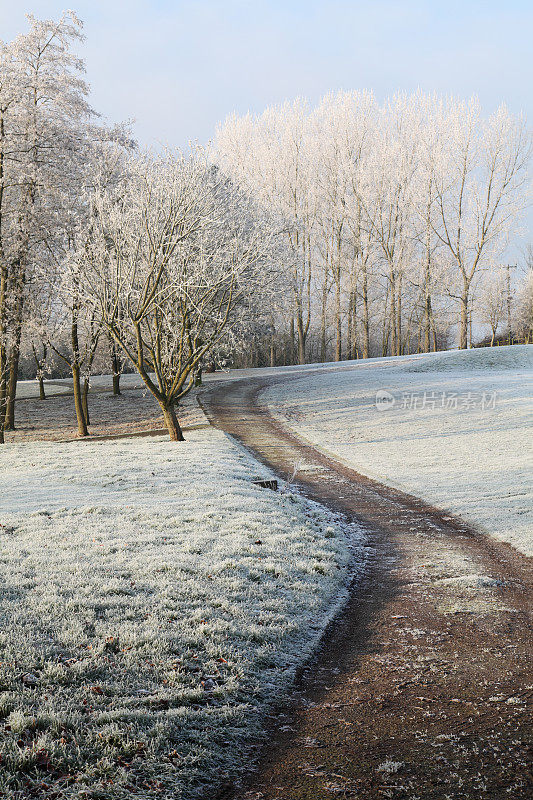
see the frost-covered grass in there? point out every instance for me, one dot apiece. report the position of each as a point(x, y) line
point(30, 388)
point(518, 358)
point(458, 434)
point(154, 604)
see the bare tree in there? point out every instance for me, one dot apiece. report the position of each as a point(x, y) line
point(174, 266)
point(480, 184)
point(43, 112)
point(399, 206)
point(271, 158)
point(492, 302)
point(524, 301)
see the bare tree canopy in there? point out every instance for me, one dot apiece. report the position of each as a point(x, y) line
point(175, 263)
point(395, 208)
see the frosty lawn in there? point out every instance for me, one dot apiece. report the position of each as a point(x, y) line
point(473, 460)
point(154, 603)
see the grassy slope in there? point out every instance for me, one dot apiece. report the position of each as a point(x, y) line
point(473, 459)
point(154, 603)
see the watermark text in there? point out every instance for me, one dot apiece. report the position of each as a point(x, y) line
point(431, 401)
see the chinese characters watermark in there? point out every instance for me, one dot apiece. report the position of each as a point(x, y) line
point(430, 401)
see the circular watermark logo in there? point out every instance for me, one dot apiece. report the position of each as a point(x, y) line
point(384, 400)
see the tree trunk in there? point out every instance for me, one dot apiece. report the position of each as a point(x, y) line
point(115, 364)
point(85, 401)
point(385, 341)
point(463, 321)
point(353, 349)
point(40, 364)
point(399, 347)
point(434, 331)
point(291, 342)
point(386, 324)
point(3, 365)
point(11, 388)
point(323, 321)
point(337, 274)
point(366, 320)
point(3, 293)
point(338, 321)
point(301, 339)
point(427, 324)
point(14, 354)
point(171, 421)
point(2, 393)
point(89, 364)
point(350, 327)
point(12, 377)
point(393, 317)
point(427, 276)
point(78, 401)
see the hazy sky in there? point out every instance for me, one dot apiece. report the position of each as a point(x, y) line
point(179, 67)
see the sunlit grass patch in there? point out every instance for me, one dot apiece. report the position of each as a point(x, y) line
point(155, 603)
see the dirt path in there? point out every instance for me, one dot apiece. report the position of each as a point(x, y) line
point(422, 688)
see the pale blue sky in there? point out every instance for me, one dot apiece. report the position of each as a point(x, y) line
point(179, 66)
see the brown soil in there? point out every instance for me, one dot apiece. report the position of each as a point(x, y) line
point(422, 687)
point(134, 412)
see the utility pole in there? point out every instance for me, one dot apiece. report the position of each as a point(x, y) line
point(508, 268)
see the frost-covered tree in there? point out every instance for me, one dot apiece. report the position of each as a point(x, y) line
point(43, 133)
point(77, 325)
point(480, 180)
point(175, 263)
point(492, 302)
point(524, 301)
point(388, 198)
point(271, 157)
point(392, 210)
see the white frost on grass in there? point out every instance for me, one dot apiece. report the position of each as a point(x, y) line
point(131, 380)
point(516, 358)
point(30, 388)
point(390, 767)
point(474, 460)
point(154, 604)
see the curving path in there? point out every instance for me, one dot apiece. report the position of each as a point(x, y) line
point(422, 687)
